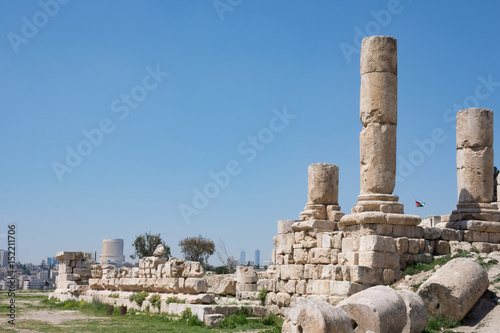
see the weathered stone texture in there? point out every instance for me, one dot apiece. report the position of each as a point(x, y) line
point(454, 289)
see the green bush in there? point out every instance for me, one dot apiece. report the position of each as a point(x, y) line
point(262, 296)
point(155, 301)
point(190, 319)
point(174, 299)
point(139, 298)
point(115, 295)
point(437, 324)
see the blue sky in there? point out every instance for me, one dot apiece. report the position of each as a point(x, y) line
point(172, 93)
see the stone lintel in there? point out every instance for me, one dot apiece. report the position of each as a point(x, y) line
point(380, 218)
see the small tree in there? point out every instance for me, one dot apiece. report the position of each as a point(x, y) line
point(197, 249)
point(145, 245)
point(223, 256)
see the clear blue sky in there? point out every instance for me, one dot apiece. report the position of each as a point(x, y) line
point(79, 66)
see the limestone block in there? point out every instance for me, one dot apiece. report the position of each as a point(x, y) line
point(442, 247)
point(246, 287)
point(379, 259)
point(413, 246)
point(323, 184)
point(389, 275)
point(365, 275)
point(351, 258)
point(285, 226)
point(494, 237)
point(337, 240)
point(72, 277)
point(310, 272)
point(429, 246)
point(300, 256)
point(65, 269)
point(454, 289)
point(451, 234)
point(225, 287)
point(378, 158)
point(246, 274)
point(475, 236)
point(193, 269)
point(344, 288)
point(314, 224)
point(475, 175)
point(159, 251)
point(301, 287)
point(288, 259)
point(377, 243)
point(409, 231)
point(292, 272)
point(334, 253)
point(379, 309)
point(333, 213)
point(474, 128)
point(173, 268)
point(83, 272)
point(326, 239)
point(402, 245)
point(482, 247)
point(416, 313)
point(378, 54)
point(432, 233)
point(212, 320)
point(318, 287)
point(456, 246)
point(331, 272)
point(378, 98)
point(288, 287)
point(350, 244)
point(320, 256)
point(315, 317)
point(283, 299)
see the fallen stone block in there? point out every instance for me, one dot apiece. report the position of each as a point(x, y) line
point(316, 317)
point(454, 289)
point(226, 287)
point(379, 309)
point(212, 320)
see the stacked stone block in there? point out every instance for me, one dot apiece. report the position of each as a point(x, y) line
point(74, 270)
point(155, 274)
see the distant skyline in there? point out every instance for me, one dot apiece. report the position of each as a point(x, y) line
point(190, 118)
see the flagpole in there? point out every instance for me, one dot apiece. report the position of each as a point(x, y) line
point(415, 206)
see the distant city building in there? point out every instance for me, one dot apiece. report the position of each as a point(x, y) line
point(112, 252)
point(242, 258)
point(257, 257)
point(4, 256)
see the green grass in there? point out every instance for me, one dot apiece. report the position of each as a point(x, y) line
point(486, 265)
point(440, 323)
point(134, 321)
point(496, 279)
point(418, 267)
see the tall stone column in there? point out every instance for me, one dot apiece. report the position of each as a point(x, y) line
point(475, 166)
point(378, 114)
point(322, 193)
point(475, 156)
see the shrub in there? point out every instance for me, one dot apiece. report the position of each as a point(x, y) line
point(174, 299)
point(115, 295)
point(155, 301)
point(262, 296)
point(190, 319)
point(139, 297)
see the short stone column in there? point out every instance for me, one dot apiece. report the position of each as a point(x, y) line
point(475, 167)
point(322, 193)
